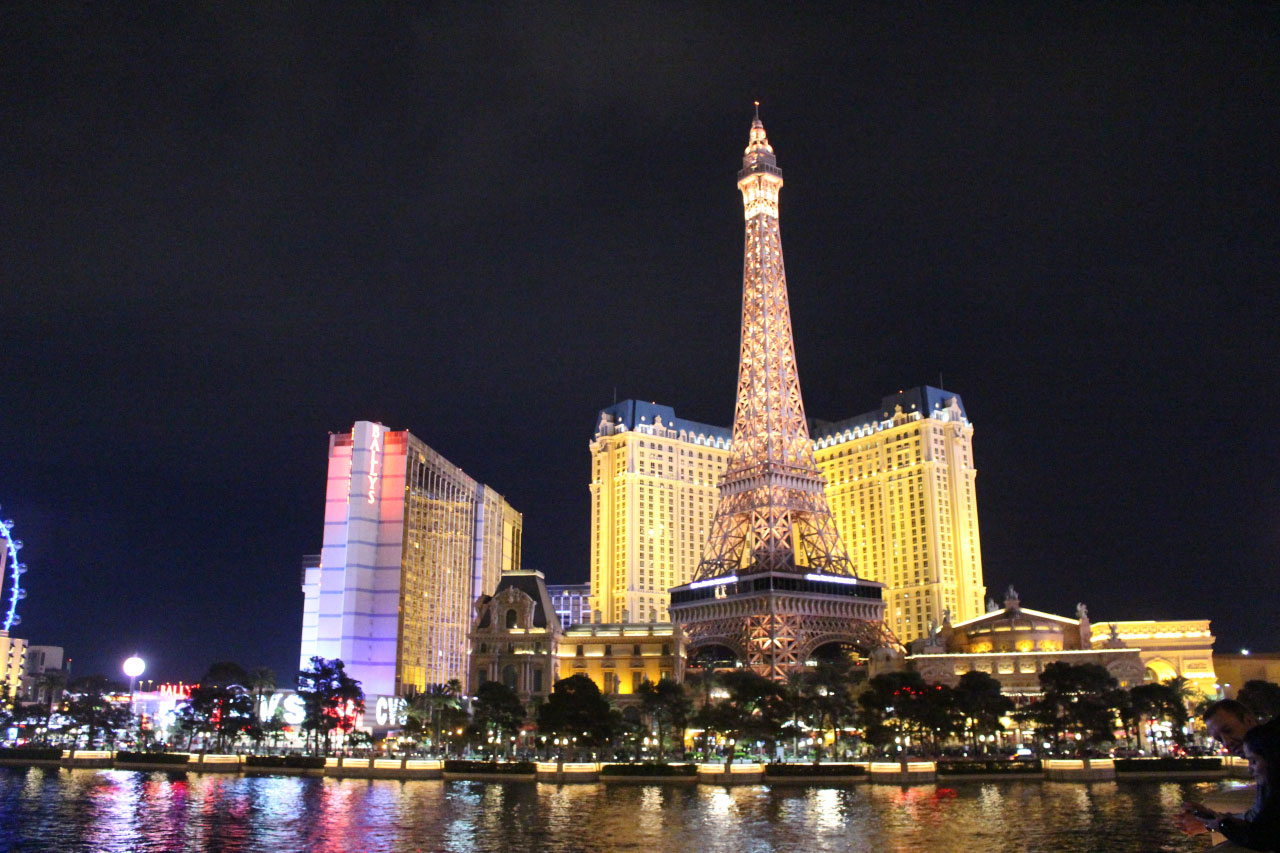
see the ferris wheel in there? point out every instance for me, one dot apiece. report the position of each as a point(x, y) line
point(11, 572)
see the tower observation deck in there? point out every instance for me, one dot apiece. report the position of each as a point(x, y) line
point(775, 582)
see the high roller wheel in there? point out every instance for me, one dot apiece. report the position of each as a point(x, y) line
point(11, 572)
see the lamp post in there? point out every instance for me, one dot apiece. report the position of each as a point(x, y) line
point(133, 667)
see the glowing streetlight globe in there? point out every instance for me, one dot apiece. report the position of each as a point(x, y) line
point(134, 666)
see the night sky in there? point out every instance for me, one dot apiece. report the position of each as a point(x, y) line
point(226, 232)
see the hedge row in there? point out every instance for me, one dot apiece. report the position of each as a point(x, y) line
point(649, 769)
point(32, 753)
point(123, 757)
point(961, 768)
point(1166, 763)
point(296, 762)
point(513, 767)
point(782, 770)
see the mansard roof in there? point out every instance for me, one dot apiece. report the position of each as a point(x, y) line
point(532, 584)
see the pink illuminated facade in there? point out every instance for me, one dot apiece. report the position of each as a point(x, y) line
point(410, 542)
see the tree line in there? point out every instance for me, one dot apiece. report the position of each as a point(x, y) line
point(222, 710)
point(824, 711)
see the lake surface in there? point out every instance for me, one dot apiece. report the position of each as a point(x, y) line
point(121, 810)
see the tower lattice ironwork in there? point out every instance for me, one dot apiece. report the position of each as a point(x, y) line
point(775, 581)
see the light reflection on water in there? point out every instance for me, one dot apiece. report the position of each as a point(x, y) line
point(112, 811)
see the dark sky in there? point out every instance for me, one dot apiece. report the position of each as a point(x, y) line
point(225, 232)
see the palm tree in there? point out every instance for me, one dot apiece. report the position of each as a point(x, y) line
point(261, 681)
point(440, 699)
point(428, 709)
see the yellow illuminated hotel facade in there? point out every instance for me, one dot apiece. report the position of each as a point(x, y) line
point(900, 483)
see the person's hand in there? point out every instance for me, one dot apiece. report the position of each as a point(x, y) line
point(1192, 821)
point(1188, 824)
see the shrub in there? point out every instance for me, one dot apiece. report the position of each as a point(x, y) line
point(649, 769)
point(784, 770)
point(32, 753)
point(1165, 764)
point(974, 766)
point(123, 757)
point(295, 762)
point(512, 767)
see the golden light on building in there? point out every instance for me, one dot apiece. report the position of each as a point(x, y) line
point(901, 486)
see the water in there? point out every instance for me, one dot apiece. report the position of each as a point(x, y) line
point(120, 810)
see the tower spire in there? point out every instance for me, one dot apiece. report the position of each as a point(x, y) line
point(775, 582)
point(773, 513)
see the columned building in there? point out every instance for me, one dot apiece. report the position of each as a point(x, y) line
point(900, 481)
point(410, 542)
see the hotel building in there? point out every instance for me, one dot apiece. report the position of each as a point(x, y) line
point(900, 484)
point(410, 542)
point(518, 639)
point(13, 659)
point(571, 602)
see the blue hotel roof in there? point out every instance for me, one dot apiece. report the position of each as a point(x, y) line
point(924, 399)
point(632, 412)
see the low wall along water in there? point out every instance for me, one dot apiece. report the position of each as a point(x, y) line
point(738, 773)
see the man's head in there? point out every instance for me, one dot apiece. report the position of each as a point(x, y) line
point(1227, 720)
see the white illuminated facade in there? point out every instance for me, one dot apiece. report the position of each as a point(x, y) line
point(410, 542)
point(572, 602)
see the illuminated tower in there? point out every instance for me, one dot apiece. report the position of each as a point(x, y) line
point(775, 582)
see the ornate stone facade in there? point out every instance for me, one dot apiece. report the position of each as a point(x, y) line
point(1014, 644)
point(518, 640)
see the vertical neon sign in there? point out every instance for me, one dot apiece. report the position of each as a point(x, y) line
point(375, 447)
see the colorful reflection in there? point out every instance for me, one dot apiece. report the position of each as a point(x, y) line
point(112, 811)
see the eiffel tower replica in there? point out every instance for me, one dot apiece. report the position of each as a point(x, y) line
point(775, 582)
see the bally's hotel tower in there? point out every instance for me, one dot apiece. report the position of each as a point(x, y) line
point(410, 542)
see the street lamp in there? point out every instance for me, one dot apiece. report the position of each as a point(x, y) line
point(133, 667)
